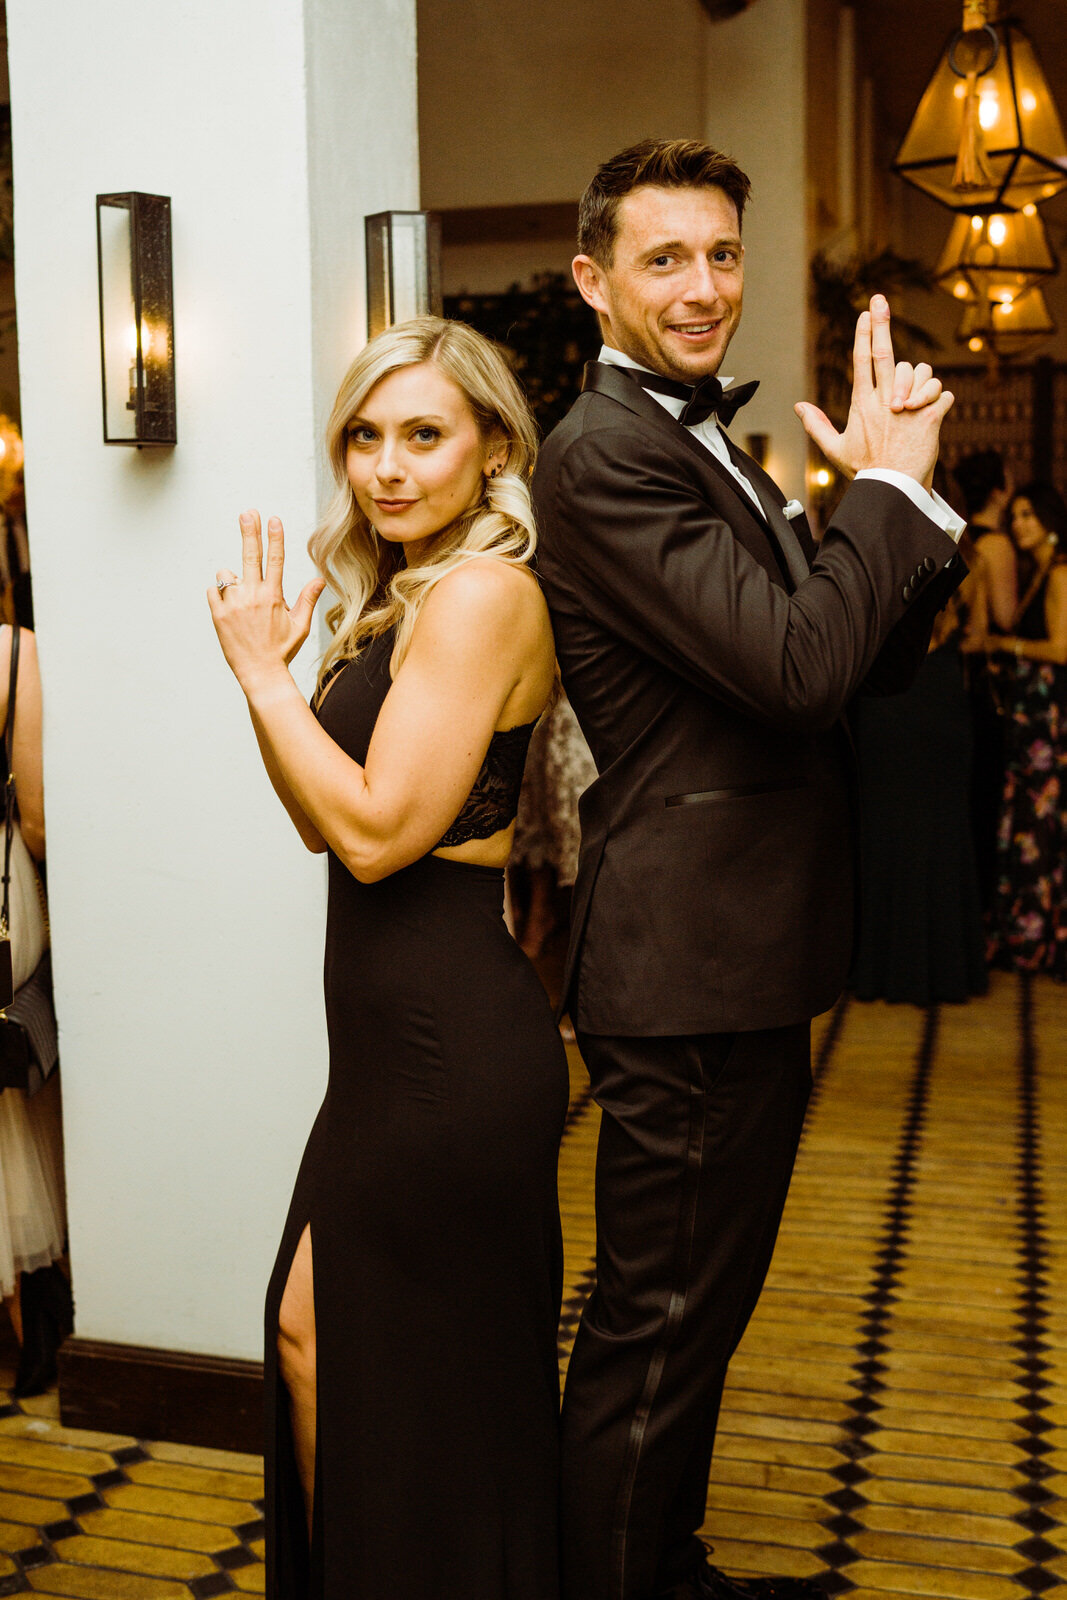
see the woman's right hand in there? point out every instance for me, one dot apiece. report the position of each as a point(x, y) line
point(258, 632)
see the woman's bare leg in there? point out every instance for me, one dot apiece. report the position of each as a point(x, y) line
point(296, 1357)
point(13, 1302)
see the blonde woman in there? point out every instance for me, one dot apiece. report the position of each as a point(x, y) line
point(412, 1387)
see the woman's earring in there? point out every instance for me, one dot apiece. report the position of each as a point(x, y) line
point(1053, 539)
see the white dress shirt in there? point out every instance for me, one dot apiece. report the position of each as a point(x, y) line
point(710, 436)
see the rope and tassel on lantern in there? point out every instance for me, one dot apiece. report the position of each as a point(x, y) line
point(972, 168)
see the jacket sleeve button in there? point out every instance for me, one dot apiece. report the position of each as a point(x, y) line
point(929, 563)
point(905, 593)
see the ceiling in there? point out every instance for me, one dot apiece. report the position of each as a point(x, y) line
point(923, 26)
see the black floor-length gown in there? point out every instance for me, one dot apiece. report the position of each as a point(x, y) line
point(921, 938)
point(429, 1183)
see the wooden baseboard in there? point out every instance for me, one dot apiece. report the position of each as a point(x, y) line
point(162, 1394)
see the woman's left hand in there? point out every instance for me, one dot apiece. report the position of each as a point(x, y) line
point(258, 632)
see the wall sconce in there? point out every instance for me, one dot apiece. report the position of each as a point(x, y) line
point(136, 318)
point(403, 267)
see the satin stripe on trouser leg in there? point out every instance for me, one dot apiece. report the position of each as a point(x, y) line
point(697, 1145)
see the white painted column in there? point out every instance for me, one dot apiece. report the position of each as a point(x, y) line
point(187, 918)
point(755, 112)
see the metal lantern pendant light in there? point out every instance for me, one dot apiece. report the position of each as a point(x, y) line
point(986, 136)
point(996, 258)
point(1007, 330)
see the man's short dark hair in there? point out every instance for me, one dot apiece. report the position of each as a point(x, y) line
point(663, 164)
point(979, 475)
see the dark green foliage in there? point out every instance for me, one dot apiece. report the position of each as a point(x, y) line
point(548, 334)
point(840, 291)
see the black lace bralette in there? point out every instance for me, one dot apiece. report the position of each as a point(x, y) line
point(494, 800)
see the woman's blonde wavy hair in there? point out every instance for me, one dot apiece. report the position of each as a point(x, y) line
point(374, 589)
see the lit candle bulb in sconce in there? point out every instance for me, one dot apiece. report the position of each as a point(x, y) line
point(131, 345)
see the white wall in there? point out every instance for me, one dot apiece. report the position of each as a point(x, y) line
point(756, 98)
point(187, 919)
point(543, 107)
point(520, 104)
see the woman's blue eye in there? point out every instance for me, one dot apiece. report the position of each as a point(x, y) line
point(360, 435)
point(427, 435)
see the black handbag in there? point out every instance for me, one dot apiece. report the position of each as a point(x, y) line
point(29, 1042)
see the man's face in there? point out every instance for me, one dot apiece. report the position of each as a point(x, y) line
point(671, 298)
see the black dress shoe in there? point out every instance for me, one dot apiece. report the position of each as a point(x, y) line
point(709, 1583)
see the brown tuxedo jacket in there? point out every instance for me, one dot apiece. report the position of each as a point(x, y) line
point(715, 888)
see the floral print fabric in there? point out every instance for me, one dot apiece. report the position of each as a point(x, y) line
point(558, 771)
point(1029, 913)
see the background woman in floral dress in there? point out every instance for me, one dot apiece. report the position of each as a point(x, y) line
point(1029, 915)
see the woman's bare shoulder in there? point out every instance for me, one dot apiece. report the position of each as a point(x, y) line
point(994, 546)
point(487, 591)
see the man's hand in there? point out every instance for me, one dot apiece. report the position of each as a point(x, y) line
point(895, 417)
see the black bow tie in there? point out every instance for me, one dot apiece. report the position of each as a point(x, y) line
point(708, 398)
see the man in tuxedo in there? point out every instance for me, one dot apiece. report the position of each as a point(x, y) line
point(709, 652)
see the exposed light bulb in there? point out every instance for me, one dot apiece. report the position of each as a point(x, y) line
point(959, 288)
point(975, 344)
point(1030, 210)
point(976, 224)
point(998, 231)
point(823, 478)
point(1028, 100)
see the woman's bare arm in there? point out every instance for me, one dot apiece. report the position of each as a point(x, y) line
point(999, 572)
point(1054, 647)
point(301, 822)
point(477, 634)
point(27, 756)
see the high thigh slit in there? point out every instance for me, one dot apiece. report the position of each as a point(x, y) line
point(429, 1186)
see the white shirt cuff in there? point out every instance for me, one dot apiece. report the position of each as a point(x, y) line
point(925, 500)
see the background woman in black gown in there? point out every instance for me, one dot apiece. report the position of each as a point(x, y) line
point(921, 938)
point(411, 1378)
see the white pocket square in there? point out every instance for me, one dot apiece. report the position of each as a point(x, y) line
point(791, 509)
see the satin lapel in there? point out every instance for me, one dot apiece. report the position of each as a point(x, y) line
point(766, 487)
point(604, 378)
point(788, 539)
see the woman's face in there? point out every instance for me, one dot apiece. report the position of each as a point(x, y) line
point(416, 459)
point(1026, 530)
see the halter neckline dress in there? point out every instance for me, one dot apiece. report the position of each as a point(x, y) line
point(429, 1183)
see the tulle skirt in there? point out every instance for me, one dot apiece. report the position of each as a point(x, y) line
point(32, 1199)
point(32, 1202)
